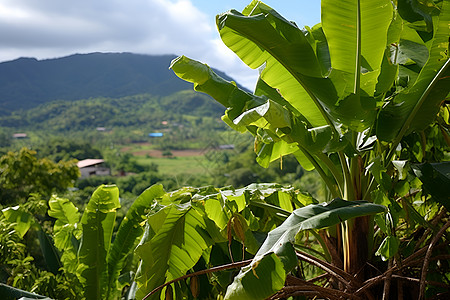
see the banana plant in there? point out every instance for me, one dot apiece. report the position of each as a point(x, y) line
point(86, 245)
point(82, 246)
point(342, 96)
point(194, 228)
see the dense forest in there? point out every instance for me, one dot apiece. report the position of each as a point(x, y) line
point(138, 111)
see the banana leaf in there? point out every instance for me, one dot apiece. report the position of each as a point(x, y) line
point(356, 33)
point(176, 240)
point(11, 293)
point(416, 106)
point(98, 223)
point(279, 242)
point(66, 232)
point(436, 180)
point(128, 234)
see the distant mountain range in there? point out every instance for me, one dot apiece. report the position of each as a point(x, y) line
point(27, 82)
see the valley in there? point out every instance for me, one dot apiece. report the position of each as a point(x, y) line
point(114, 119)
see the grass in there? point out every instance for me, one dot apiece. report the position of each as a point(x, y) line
point(177, 165)
point(137, 147)
point(189, 161)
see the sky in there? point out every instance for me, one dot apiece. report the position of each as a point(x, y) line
point(55, 28)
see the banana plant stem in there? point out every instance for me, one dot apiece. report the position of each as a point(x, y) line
point(334, 171)
point(348, 192)
point(201, 272)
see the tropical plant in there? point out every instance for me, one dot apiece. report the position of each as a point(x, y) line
point(29, 260)
point(82, 249)
point(86, 258)
point(205, 230)
point(362, 99)
point(354, 98)
point(22, 173)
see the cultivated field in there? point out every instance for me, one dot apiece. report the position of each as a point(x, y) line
point(188, 161)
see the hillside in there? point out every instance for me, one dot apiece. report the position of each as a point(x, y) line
point(26, 82)
point(129, 111)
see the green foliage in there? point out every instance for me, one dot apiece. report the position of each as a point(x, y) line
point(12, 249)
point(137, 110)
point(90, 260)
point(22, 173)
point(360, 98)
point(23, 229)
point(97, 224)
point(65, 149)
point(5, 138)
point(354, 97)
point(278, 246)
point(190, 224)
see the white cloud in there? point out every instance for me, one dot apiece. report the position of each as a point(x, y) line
point(84, 24)
point(55, 28)
point(222, 58)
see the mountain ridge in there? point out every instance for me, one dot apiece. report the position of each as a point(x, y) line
point(28, 82)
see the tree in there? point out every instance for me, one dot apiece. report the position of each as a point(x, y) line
point(5, 138)
point(346, 97)
point(64, 149)
point(126, 162)
point(22, 173)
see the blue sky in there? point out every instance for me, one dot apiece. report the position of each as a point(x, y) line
point(55, 28)
point(303, 12)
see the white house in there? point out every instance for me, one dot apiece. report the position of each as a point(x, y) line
point(91, 167)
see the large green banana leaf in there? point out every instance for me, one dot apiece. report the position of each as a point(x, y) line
point(67, 217)
point(224, 92)
point(279, 129)
point(289, 59)
point(66, 232)
point(356, 33)
point(98, 224)
point(416, 106)
point(262, 38)
point(317, 216)
point(279, 242)
point(128, 234)
point(177, 241)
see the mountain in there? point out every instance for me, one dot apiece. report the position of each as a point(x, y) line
point(27, 82)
